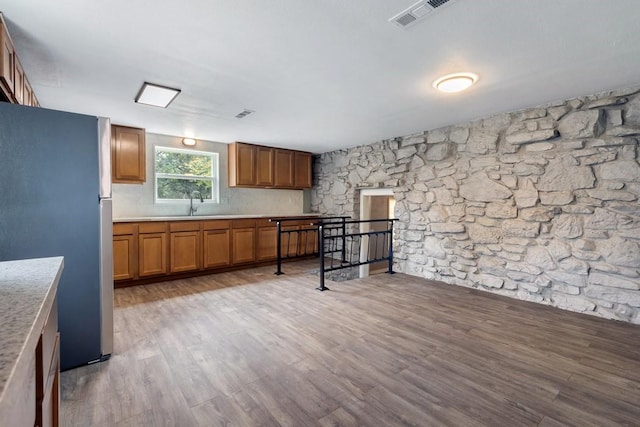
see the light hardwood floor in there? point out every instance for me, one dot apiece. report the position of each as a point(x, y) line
point(249, 348)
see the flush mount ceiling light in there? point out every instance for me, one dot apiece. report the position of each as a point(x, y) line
point(189, 142)
point(455, 82)
point(156, 95)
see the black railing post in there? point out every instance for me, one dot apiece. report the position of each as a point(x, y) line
point(278, 249)
point(344, 241)
point(390, 271)
point(322, 287)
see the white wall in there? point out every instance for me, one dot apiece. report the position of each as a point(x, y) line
point(135, 200)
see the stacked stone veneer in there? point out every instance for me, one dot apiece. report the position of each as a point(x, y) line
point(540, 205)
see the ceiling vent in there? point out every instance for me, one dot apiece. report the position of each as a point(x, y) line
point(244, 114)
point(413, 14)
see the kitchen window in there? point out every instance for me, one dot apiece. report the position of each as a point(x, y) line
point(182, 174)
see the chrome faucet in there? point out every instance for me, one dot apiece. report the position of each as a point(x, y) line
point(193, 209)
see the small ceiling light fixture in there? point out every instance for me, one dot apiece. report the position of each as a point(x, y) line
point(156, 95)
point(455, 82)
point(189, 142)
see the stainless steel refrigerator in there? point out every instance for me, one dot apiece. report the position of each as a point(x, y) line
point(55, 200)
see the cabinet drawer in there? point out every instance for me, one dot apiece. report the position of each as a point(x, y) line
point(152, 227)
point(124, 228)
point(216, 225)
point(264, 222)
point(184, 226)
point(243, 223)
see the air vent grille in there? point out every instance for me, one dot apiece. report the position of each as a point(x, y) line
point(419, 10)
point(244, 114)
point(406, 19)
point(436, 3)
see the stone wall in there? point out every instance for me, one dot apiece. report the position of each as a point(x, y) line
point(540, 204)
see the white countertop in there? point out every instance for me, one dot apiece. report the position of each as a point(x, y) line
point(27, 292)
point(205, 217)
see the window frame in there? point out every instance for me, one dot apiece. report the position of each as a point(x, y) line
point(215, 174)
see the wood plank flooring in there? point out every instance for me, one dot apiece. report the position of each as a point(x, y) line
point(249, 348)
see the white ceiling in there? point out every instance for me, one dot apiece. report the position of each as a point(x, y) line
point(321, 74)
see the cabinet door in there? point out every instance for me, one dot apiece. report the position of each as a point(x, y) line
point(289, 242)
point(244, 245)
point(29, 98)
point(264, 168)
point(284, 168)
point(127, 155)
point(302, 170)
point(18, 81)
point(185, 251)
point(217, 248)
point(152, 254)
point(7, 62)
point(308, 240)
point(267, 242)
point(242, 165)
point(124, 257)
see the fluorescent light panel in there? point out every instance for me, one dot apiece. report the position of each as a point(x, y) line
point(156, 95)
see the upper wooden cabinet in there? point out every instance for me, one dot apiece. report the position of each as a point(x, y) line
point(14, 86)
point(242, 165)
point(7, 62)
point(128, 155)
point(284, 172)
point(264, 166)
point(257, 166)
point(18, 82)
point(302, 178)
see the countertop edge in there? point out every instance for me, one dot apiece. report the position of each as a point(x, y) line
point(21, 366)
point(206, 217)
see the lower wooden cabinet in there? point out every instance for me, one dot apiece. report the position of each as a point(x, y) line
point(244, 245)
point(267, 241)
point(152, 254)
point(184, 246)
point(150, 250)
point(289, 242)
point(48, 372)
point(185, 251)
point(124, 257)
point(216, 248)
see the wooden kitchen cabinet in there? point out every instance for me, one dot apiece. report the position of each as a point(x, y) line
point(284, 168)
point(125, 251)
point(243, 241)
point(289, 242)
point(48, 372)
point(184, 241)
point(124, 257)
point(258, 166)
point(128, 162)
point(29, 98)
point(264, 166)
point(242, 165)
point(7, 62)
point(18, 82)
point(216, 242)
point(152, 249)
point(14, 86)
point(267, 241)
point(149, 251)
point(302, 178)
